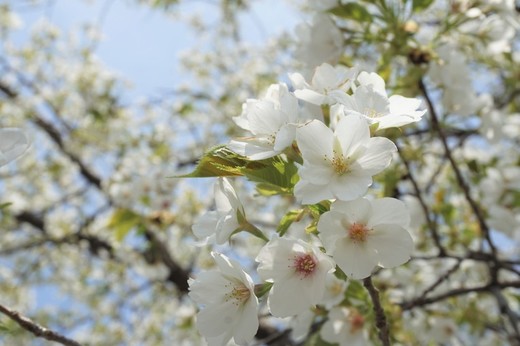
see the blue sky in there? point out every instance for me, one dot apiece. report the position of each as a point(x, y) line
point(143, 44)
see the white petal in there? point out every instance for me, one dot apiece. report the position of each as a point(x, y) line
point(389, 211)
point(324, 77)
point(403, 105)
point(264, 118)
point(247, 325)
point(319, 175)
point(253, 148)
point(226, 225)
point(377, 156)
point(310, 96)
point(205, 225)
point(351, 186)
point(225, 196)
point(289, 297)
point(393, 244)
point(373, 79)
point(285, 137)
point(215, 320)
point(352, 131)
point(356, 211)
point(297, 81)
point(308, 193)
point(357, 261)
point(331, 229)
point(208, 288)
point(315, 142)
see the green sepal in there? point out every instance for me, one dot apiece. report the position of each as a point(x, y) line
point(288, 219)
point(262, 289)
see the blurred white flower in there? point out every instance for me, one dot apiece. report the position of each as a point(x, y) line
point(345, 327)
point(321, 41)
point(13, 143)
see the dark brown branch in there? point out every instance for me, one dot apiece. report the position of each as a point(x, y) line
point(177, 275)
point(37, 329)
point(441, 279)
point(457, 292)
point(460, 179)
point(381, 324)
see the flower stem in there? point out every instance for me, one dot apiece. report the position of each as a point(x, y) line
point(252, 229)
point(381, 322)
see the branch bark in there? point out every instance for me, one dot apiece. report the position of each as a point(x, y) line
point(37, 329)
point(381, 323)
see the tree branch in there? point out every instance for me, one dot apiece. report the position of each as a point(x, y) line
point(381, 324)
point(37, 329)
point(460, 179)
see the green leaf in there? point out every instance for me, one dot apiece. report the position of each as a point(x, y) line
point(219, 161)
point(319, 208)
point(288, 219)
point(421, 5)
point(5, 205)
point(122, 222)
point(352, 10)
point(273, 176)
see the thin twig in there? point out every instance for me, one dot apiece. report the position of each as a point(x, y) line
point(431, 224)
point(460, 179)
point(457, 292)
point(381, 324)
point(37, 329)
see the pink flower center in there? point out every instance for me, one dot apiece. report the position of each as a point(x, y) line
point(305, 264)
point(356, 322)
point(239, 294)
point(358, 233)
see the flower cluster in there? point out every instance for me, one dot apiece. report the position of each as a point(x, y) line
point(325, 129)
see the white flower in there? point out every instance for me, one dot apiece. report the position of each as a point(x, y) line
point(345, 327)
point(328, 86)
point(272, 121)
point(371, 101)
point(297, 270)
point(321, 41)
point(229, 303)
point(13, 143)
point(339, 164)
point(361, 234)
point(452, 73)
point(223, 221)
point(334, 291)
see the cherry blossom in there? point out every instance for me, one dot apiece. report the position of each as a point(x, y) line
point(223, 221)
point(328, 86)
point(339, 164)
point(345, 326)
point(229, 303)
point(371, 101)
point(361, 234)
point(272, 121)
point(293, 266)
